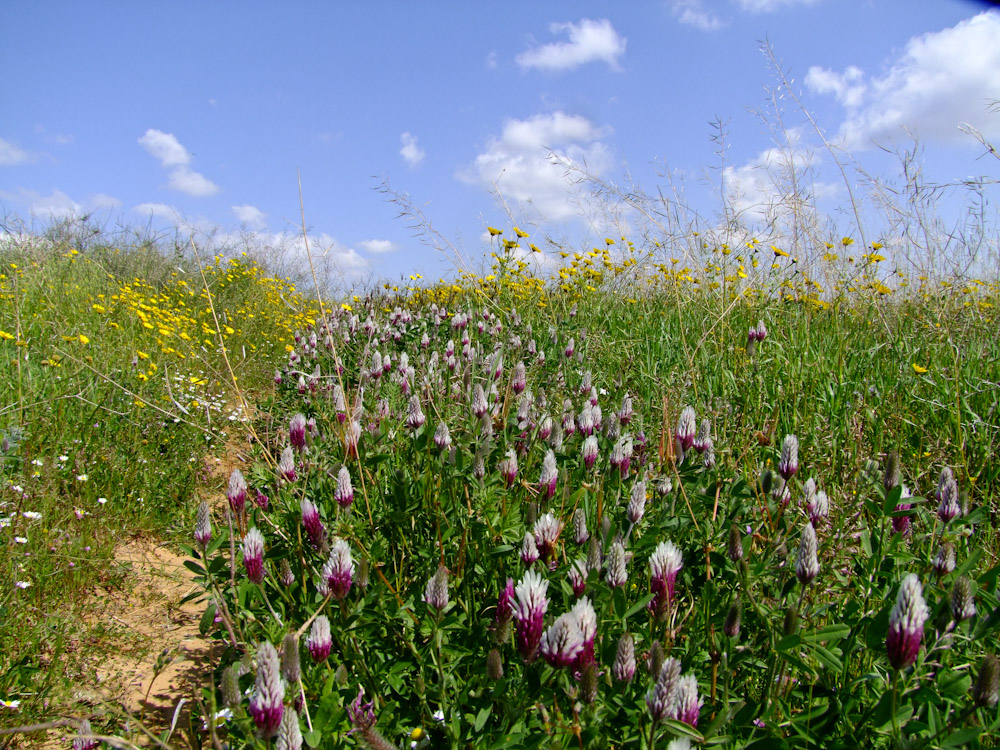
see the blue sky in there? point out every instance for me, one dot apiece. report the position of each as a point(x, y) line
point(199, 114)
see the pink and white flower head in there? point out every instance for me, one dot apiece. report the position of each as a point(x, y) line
point(901, 524)
point(589, 451)
point(545, 428)
point(313, 524)
point(352, 436)
point(807, 562)
point(508, 468)
point(436, 590)
point(687, 429)
point(704, 437)
point(789, 462)
point(519, 380)
point(570, 349)
point(621, 455)
point(529, 613)
point(237, 491)
point(586, 617)
point(442, 436)
point(580, 533)
point(479, 406)
point(686, 703)
point(338, 570)
point(615, 570)
point(505, 609)
point(286, 465)
point(344, 493)
point(623, 669)
point(267, 699)
point(253, 555)
point(906, 623)
point(546, 533)
point(203, 525)
point(562, 642)
point(664, 565)
point(947, 496)
point(319, 641)
point(529, 549)
point(297, 432)
point(415, 415)
point(578, 576)
point(550, 474)
point(637, 503)
point(660, 698)
point(626, 412)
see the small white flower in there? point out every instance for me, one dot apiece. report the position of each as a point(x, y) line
point(23, 584)
point(63, 459)
point(32, 514)
point(21, 539)
point(439, 715)
point(9, 704)
point(81, 477)
point(102, 500)
point(17, 488)
point(37, 462)
point(5, 522)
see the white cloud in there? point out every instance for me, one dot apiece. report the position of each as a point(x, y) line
point(102, 200)
point(186, 180)
point(377, 247)
point(159, 210)
point(769, 6)
point(11, 154)
point(589, 41)
point(942, 79)
point(56, 204)
point(410, 151)
point(694, 13)
point(250, 215)
point(165, 148)
point(531, 162)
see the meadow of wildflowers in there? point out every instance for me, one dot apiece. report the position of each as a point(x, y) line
point(621, 504)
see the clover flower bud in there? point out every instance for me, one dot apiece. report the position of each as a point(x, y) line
point(253, 555)
point(615, 572)
point(529, 613)
point(595, 553)
point(704, 437)
point(267, 699)
point(479, 406)
point(637, 503)
point(338, 570)
point(789, 462)
point(621, 455)
point(986, 691)
point(570, 349)
point(735, 547)
point(589, 683)
point(352, 436)
point(291, 667)
point(623, 669)
point(285, 574)
point(549, 476)
point(545, 428)
point(891, 477)
point(963, 605)
point(237, 491)
point(320, 640)
point(626, 412)
point(906, 623)
point(944, 561)
point(519, 380)
point(504, 612)
point(660, 698)
point(203, 525)
point(344, 492)
point(436, 591)
point(494, 665)
point(947, 496)
point(818, 508)
point(297, 432)
point(589, 451)
point(546, 531)
point(734, 618)
point(261, 500)
point(562, 642)
point(231, 695)
point(578, 576)
point(289, 733)
point(807, 563)
point(313, 525)
point(901, 524)
point(580, 533)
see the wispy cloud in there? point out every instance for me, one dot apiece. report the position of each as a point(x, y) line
point(694, 13)
point(11, 154)
point(251, 216)
point(411, 152)
point(377, 247)
point(166, 149)
point(528, 163)
point(588, 41)
point(940, 80)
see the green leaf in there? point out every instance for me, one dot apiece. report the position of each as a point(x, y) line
point(828, 633)
point(892, 499)
point(207, 619)
point(962, 737)
point(313, 738)
point(638, 606)
point(481, 717)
